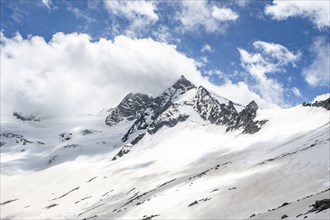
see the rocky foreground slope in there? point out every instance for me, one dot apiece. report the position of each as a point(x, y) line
point(186, 154)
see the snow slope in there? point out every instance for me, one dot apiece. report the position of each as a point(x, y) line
point(192, 170)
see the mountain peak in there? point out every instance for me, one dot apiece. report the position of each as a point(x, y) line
point(252, 105)
point(183, 83)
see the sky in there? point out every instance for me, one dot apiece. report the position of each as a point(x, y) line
point(67, 57)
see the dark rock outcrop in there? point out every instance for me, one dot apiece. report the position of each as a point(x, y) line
point(8, 201)
point(124, 150)
point(127, 147)
point(170, 118)
point(320, 205)
point(324, 104)
point(211, 110)
point(253, 127)
point(149, 217)
point(129, 108)
point(18, 138)
point(165, 100)
point(141, 123)
point(65, 136)
point(152, 118)
point(193, 203)
point(22, 117)
point(221, 114)
point(248, 113)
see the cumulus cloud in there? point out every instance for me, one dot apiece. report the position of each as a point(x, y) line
point(140, 14)
point(206, 48)
point(268, 58)
point(223, 14)
point(318, 73)
point(316, 11)
point(73, 74)
point(197, 14)
point(277, 52)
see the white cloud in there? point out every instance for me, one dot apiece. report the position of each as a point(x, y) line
point(277, 52)
point(318, 73)
point(223, 14)
point(206, 48)
point(72, 74)
point(196, 14)
point(296, 91)
point(321, 97)
point(316, 11)
point(132, 9)
point(47, 3)
point(269, 58)
point(140, 14)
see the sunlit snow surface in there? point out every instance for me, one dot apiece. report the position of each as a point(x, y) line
point(229, 175)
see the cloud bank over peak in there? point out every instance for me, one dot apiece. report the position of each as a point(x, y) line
point(72, 74)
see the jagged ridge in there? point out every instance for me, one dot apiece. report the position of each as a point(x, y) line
point(151, 114)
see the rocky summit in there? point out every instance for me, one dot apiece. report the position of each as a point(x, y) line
point(176, 104)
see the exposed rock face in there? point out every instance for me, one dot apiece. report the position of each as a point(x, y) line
point(221, 114)
point(247, 116)
point(248, 113)
point(165, 100)
point(16, 137)
point(324, 104)
point(320, 205)
point(141, 123)
point(129, 108)
point(211, 110)
point(152, 118)
point(124, 150)
point(169, 118)
point(253, 127)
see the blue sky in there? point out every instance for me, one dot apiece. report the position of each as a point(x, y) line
point(279, 50)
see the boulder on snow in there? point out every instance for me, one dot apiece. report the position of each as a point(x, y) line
point(321, 205)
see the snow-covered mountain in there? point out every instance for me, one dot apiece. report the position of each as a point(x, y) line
point(185, 154)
